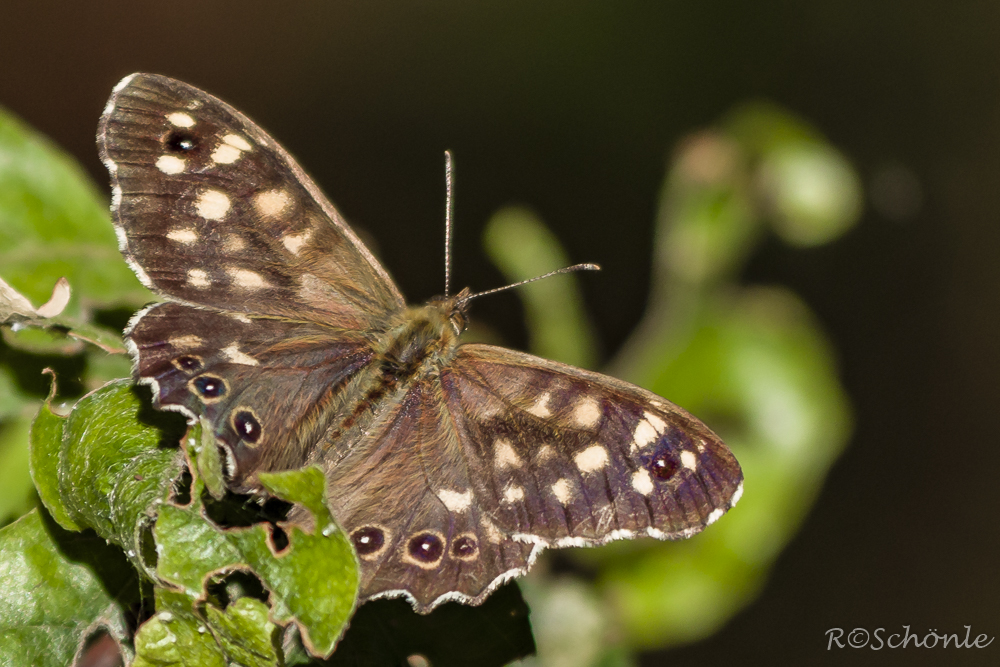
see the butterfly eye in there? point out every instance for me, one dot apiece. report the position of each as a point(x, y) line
point(368, 540)
point(180, 142)
point(247, 426)
point(209, 387)
point(425, 548)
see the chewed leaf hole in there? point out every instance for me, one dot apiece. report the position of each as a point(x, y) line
point(225, 589)
point(279, 538)
point(147, 546)
point(240, 511)
point(101, 649)
point(181, 492)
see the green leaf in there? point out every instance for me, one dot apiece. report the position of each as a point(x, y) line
point(56, 225)
point(112, 462)
point(175, 636)
point(16, 490)
point(58, 589)
point(245, 634)
point(208, 458)
point(45, 444)
point(13, 401)
point(313, 582)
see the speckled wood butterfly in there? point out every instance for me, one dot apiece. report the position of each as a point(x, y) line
point(451, 466)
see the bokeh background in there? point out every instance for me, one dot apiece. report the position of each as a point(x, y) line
point(573, 108)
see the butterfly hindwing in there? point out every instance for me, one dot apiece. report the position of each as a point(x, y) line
point(269, 387)
point(211, 210)
point(405, 494)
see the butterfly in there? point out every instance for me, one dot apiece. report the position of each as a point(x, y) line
point(450, 465)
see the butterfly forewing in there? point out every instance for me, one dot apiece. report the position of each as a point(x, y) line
point(212, 211)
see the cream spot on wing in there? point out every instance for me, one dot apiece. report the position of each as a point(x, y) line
point(272, 203)
point(647, 431)
point(239, 317)
point(587, 412)
point(185, 236)
point(185, 342)
point(493, 533)
point(562, 491)
point(505, 456)
point(212, 204)
point(689, 460)
point(236, 141)
point(643, 435)
point(714, 516)
point(180, 119)
point(170, 164)
point(592, 459)
point(234, 243)
point(226, 154)
point(655, 421)
point(198, 278)
point(513, 494)
point(230, 149)
point(545, 453)
point(455, 501)
point(541, 406)
point(642, 482)
point(294, 242)
point(237, 356)
point(246, 278)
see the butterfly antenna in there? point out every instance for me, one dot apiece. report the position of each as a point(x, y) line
point(567, 269)
point(449, 214)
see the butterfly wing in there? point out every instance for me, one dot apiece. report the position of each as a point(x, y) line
point(503, 454)
point(595, 458)
point(211, 211)
point(270, 387)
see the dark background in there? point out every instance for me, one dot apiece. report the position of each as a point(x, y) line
point(572, 107)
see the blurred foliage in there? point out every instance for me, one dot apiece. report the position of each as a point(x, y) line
point(749, 360)
point(55, 242)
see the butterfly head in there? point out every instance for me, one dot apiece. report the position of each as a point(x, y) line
point(455, 308)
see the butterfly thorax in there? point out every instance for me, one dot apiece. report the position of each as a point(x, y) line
point(422, 339)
